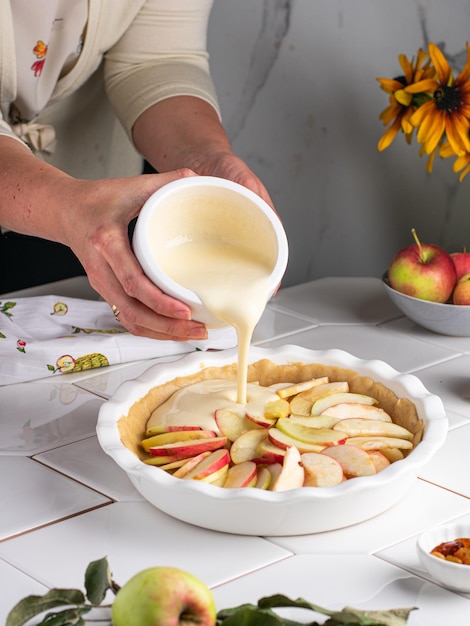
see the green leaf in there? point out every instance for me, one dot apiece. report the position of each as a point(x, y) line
point(248, 615)
point(33, 605)
point(97, 581)
point(68, 617)
point(279, 600)
point(391, 617)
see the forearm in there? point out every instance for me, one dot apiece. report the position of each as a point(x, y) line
point(180, 132)
point(186, 132)
point(31, 192)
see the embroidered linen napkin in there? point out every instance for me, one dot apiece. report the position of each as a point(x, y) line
point(44, 336)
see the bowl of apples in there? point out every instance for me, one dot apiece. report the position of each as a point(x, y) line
point(325, 439)
point(431, 287)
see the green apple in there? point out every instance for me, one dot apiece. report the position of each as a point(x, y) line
point(424, 271)
point(461, 293)
point(164, 596)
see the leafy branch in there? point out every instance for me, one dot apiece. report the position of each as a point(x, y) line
point(262, 614)
point(74, 605)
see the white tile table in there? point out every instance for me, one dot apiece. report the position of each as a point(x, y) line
point(63, 502)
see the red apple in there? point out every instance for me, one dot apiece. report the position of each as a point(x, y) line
point(424, 271)
point(462, 262)
point(461, 293)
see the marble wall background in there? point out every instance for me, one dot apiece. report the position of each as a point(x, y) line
point(299, 97)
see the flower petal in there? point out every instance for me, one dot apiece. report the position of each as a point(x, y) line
point(439, 61)
point(388, 136)
point(457, 128)
point(422, 86)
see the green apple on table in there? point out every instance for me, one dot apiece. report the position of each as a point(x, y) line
point(164, 596)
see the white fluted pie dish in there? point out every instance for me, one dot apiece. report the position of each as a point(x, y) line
point(253, 511)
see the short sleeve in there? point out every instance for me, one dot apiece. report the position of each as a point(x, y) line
point(162, 54)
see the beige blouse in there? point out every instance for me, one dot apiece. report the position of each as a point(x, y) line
point(58, 58)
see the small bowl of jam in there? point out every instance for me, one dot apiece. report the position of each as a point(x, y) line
point(444, 552)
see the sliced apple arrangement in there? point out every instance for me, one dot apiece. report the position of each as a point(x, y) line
point(319, 433)
point(428, 272)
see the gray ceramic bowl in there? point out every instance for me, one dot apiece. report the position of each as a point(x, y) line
point(445, 319)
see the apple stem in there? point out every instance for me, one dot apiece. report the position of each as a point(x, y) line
point(418, 243)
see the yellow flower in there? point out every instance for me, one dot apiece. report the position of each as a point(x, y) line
point(461, 163)
point(402, 104)
point(447, 111)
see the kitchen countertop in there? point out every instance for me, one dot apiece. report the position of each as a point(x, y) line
point(65, 503)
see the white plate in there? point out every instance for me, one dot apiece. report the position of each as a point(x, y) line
point(259, 512)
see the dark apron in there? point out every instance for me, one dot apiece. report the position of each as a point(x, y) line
point(29, 261)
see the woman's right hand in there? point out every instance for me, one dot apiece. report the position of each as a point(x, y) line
point(92, 218)
point(96, 229)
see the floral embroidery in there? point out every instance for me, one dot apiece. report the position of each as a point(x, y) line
point(21, 345)
point(40, 51)
point(60, 308)
point(4, 308)
point(66, 363)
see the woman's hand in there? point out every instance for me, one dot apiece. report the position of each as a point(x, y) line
point(98, 234)
point(92, 218)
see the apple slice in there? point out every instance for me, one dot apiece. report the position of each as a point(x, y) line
point(314, 421)
point(360, 427)
point(218, 477)
point(274, 469)
point(379, 460)
point(187, 464)
point(292, 390)
point(392, 454)
point(259, 418)
point(219, 480)
point(344, 410)
point(245, 448)
point(269, 453)
point(276, 409)
point(292, 474)
point(216, 460)
point(173, 436)
point(185, 449)
point(305, 434)
point(264, 478)
point(280, 439)
point(321, 470)
point(232, 425)
point(167, 428)
point(379, 443)
point(302, 403)
point(177, 465)
point(325, 403)
point(163, 460)
point(354, 460)
point(244, 474)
